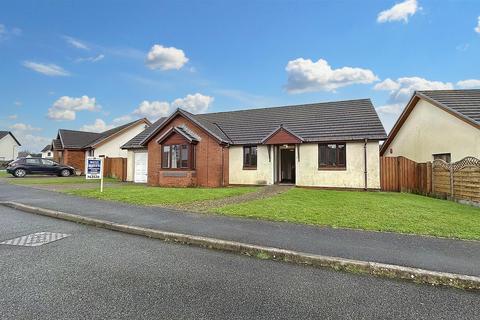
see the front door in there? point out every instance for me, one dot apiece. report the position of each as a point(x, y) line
point(287, 165)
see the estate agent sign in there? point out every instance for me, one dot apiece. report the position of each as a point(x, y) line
point(94, 169)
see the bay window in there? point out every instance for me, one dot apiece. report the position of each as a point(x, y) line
point(177, 156)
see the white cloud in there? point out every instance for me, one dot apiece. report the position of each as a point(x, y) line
point(123, 119)
point(477, 28)
point(23, 127)
point(393, 109)
point(469, 84)
point(387, 84)
point(6, 33)
point(402, 89)
point(65, 107)
point(76, 43)
point(91, 59)
point(165, 58)
point(29, 137)
point(13, 117)
point(153, 109)
point(31, 142)
point(304, 75)
point(46, 69)
point(195, 103)
point(400, 11)
point(98, 126)
point(17, 103)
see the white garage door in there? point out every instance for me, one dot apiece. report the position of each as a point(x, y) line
point(141, 166)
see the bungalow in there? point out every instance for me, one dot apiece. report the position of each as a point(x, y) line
point(47, 152)
point(8, 146)
point(71, 147)
point(333, 144)
point(440, 124)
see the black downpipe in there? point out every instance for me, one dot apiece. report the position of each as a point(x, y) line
point(365, 158)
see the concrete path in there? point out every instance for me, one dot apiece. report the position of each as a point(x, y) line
point(455, 256)
point(261, 193)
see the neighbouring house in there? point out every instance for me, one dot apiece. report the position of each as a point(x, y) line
point(71, 147)
point(332, 144)
point(47, 152)
point(440, 124)
point(8, 146)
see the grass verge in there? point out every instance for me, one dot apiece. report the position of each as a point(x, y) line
point(52, 180)
point(143, 195)
point(380, 211)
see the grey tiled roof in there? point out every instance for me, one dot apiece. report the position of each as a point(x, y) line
point(74, 139)
point(4, 133)
point(464, 102)
point(56, 144)
point(134, 143)
point(328, 121)
point(340, 120)
point(48, 147)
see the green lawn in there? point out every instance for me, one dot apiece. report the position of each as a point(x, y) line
point(397, 212)
point(4, 174)
point(32, 180)
point(143, 195)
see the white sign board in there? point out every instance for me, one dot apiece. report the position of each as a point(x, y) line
point(94, 168)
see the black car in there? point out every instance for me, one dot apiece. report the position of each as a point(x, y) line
point(23, 166)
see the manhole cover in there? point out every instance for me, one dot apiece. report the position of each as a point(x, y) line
point(35, 239)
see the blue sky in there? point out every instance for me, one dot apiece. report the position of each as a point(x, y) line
point(94, 64)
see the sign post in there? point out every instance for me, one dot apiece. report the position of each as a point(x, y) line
point(94, 170)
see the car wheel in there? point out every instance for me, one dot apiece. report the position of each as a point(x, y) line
point(20, 173)
point(65, 173)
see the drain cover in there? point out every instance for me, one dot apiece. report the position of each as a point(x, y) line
point(35, 239)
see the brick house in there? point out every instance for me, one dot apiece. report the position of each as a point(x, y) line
point(71, 147)
point(333, 144)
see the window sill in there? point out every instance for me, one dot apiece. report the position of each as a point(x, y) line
point(177, 169)
point(332, 168)
point(249, 168)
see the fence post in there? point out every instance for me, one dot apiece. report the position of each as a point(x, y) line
point(429, 178)
point(451, 181)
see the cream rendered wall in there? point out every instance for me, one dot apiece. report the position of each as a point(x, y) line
point(8, 148)
point(308, 174)
point(130, 164)
point(112, 147)
point(429, 130)
point(262, 175)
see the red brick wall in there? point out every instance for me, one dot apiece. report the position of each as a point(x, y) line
point(208, 154)
point(74, 158)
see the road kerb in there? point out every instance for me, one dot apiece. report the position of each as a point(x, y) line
point(357, 266)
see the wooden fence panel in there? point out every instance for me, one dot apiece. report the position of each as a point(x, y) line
point(115, 168)
point(388, 173)
point(404, 175)
point(457, 181)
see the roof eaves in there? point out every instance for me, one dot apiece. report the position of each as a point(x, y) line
point(185, 114)
point(134, 123)
point(447, 108)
